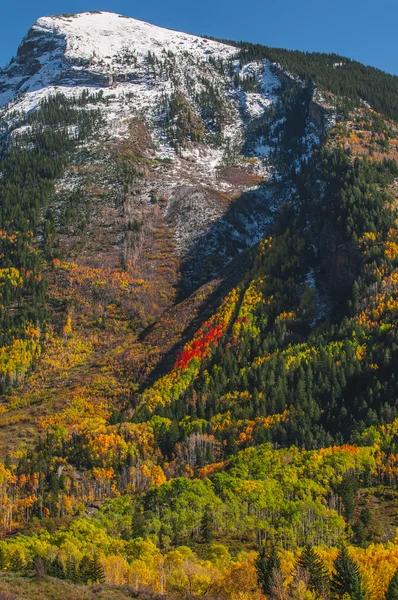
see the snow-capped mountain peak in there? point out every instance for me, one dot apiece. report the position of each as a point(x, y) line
point(137, 67)
point(204, 107)
point(94, 48)
point(103, 37)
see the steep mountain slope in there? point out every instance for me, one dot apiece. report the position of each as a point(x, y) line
point(191, 104)
point(198, 286)
point(166, 178)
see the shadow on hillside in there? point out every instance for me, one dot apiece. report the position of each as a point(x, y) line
point(230, 277)
point(244, 223)
point(222, 254)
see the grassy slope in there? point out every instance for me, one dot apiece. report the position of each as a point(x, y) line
point(17, 587)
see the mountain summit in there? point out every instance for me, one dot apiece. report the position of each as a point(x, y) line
point(184, 89)
point(94, 48)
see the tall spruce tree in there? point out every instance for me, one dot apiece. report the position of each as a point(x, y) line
point(84, 569)
point(392, 592)
point(57, 568)
point(207, 525)
point(3, 559)
point(267, 565)
point(17, 562)
point(71, 570)
point(312, 564)
point(96, 570)
point(347, 578)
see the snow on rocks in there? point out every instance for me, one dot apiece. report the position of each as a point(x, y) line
point(139, 69)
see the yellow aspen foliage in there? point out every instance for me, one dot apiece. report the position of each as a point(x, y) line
point(391, 250)
point(67, 330)
point(138, 574)
point(360, 352)
point(116, 570)
point(157, 476)
point(240, 582)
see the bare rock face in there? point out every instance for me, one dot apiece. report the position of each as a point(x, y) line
point(38, 62)
point(191, 210)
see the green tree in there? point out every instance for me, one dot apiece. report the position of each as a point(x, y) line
point(312, 564)
point(347, 578)
point(267, 566)
point(84, 569)
point(207, 525)
point(347, 490)
point(17, 563)
point(57, 568)
point(96, 570)
point(71, 570)
point(392, 592)
point(3, 559)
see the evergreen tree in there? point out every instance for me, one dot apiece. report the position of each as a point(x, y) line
point(84, 569)
point(347, 578)
point(137, 525)
point(267, 566)
point(96, 570)
point(207, 525)
point(3, 559)
point(311, 563)
point(57, 568)
point(392, 592)
point(347, 490)
point(17, 563)
point(71, 570)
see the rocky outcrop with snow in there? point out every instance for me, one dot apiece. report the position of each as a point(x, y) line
point(183, 89)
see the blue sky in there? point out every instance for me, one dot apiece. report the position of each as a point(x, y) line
point(365, 30)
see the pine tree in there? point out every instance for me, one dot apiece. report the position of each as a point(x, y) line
point(96, 570)
point(347, 578)
point(207, 525)
point(57, 568)
point(392, 592)
point(84, 569)
point(347, 490)
point(311, 563)
point(17, 563)
point(267, 566)
point(71, 570)
point(3, 559)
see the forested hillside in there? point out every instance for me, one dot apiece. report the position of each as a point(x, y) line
point(199, 300)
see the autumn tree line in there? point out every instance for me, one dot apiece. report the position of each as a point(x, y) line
point(311, 578)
